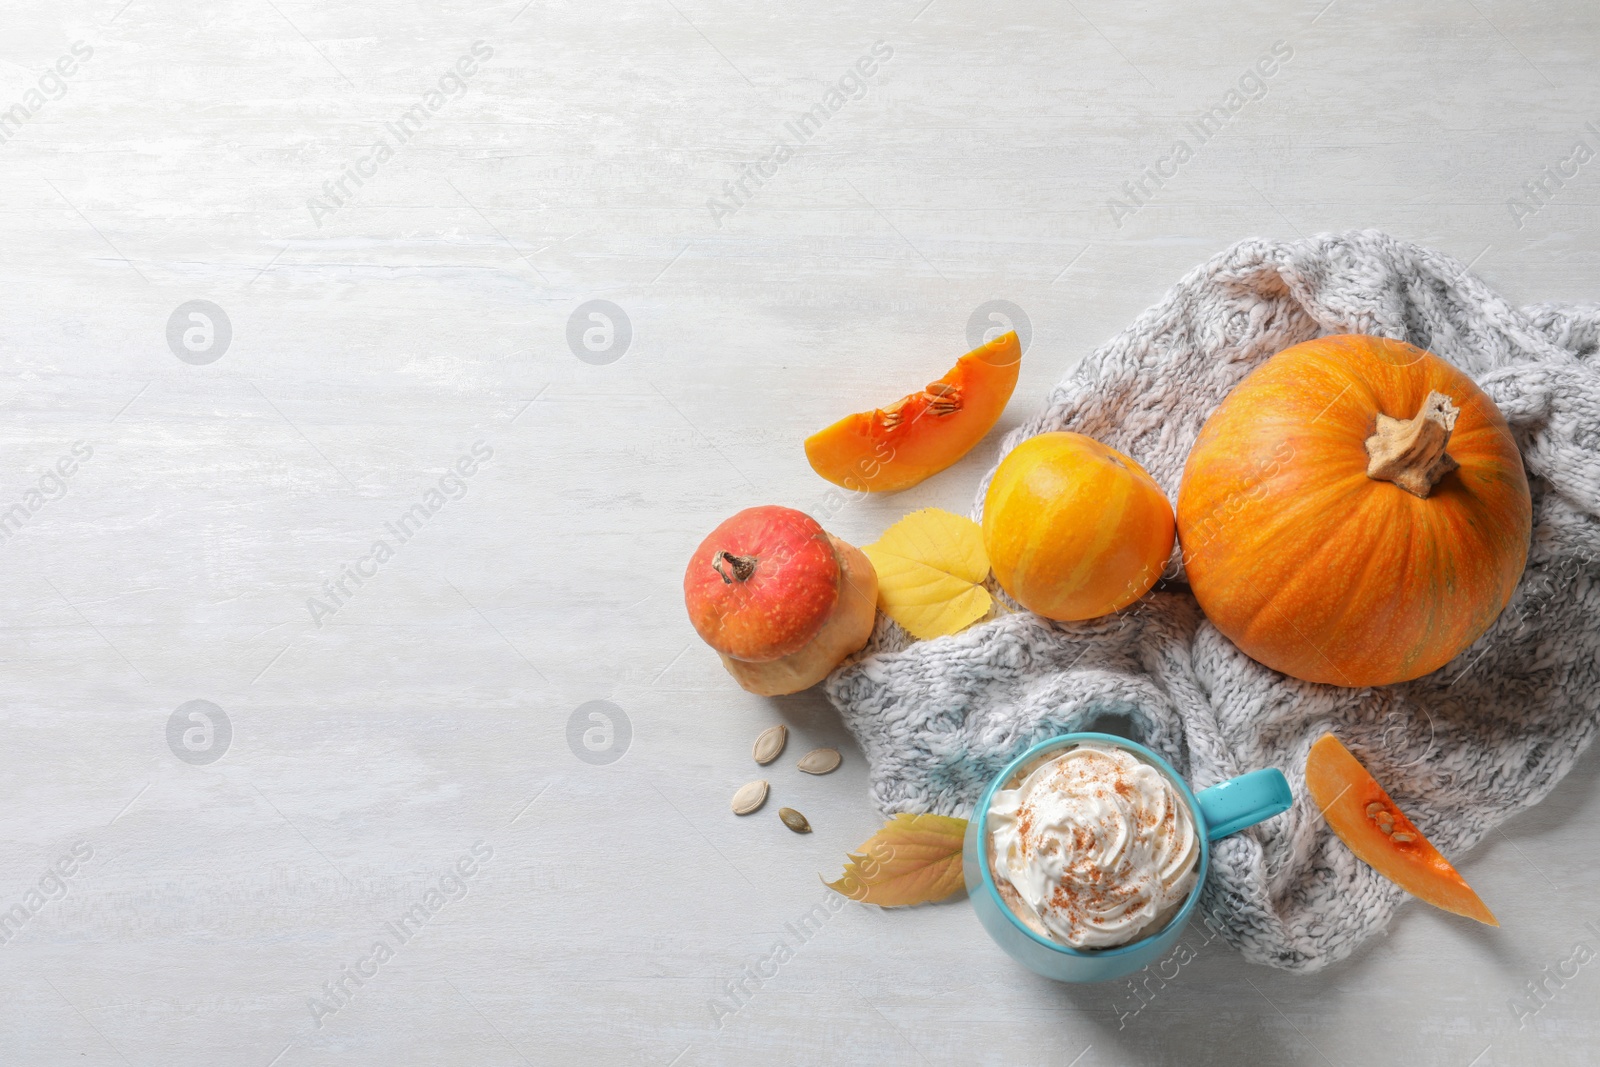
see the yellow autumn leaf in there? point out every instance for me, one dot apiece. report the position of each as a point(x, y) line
point(914, 859)
point(931, 566)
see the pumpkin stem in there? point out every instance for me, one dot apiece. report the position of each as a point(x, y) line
point(1411, 452)
point(743, 566)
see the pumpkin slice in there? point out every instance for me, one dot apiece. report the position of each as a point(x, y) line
point(1377, 831)
point(919, 435)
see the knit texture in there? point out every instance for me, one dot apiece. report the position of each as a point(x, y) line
point(1460, 750)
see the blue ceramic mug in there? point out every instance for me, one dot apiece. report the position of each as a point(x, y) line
point(1219, 811)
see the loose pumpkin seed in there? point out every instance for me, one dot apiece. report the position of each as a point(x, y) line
point(794, 820)
point(820, 760)
point(1373, 808)
point(750, 796)
point(1401, 835)
point(769, 746)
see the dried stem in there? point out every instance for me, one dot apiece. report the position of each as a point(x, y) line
point(1411, 452)
point(743, 566)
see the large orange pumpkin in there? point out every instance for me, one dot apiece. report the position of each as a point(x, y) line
point(1355, 512)
point(1073, 528)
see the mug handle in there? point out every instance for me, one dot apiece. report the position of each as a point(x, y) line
point(1230, 806)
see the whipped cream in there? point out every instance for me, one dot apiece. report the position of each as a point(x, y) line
point(1094, 848)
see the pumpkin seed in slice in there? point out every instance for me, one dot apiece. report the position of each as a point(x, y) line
point(750, 796)
point(820, 760)
point(794, 820)
point(769, 746)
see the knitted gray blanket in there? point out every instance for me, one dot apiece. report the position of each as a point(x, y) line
point(1460, 750)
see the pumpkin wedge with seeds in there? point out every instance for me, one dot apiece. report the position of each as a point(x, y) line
point(1371, 823)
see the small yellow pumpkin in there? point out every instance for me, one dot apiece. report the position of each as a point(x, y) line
point(1075, 529)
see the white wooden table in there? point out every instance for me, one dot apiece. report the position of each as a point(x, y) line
point(194, 891)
